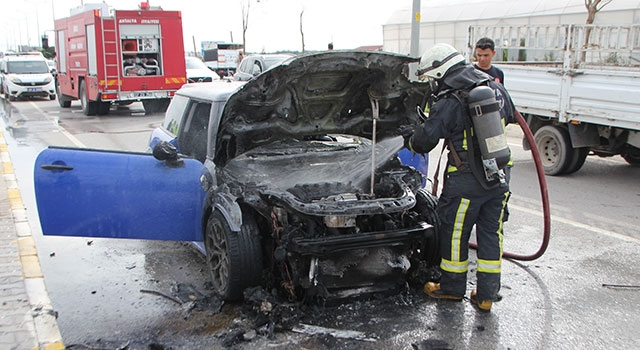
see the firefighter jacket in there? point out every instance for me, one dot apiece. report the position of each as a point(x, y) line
point(448, 116)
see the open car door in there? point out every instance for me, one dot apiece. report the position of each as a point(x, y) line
point(95, 193)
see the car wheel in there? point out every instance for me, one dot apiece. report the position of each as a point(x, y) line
point(426, 206)
point(88, 107)
point(554, 148)
point(234, 258)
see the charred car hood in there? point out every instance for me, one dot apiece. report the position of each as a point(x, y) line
point(326, 93)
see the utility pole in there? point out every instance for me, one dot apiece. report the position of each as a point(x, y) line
point(415, 38)
point(195, 52)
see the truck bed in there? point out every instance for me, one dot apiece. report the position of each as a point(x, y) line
point(595, 95)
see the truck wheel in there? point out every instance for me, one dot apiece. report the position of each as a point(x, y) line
point(426, 206)
point(63, 101)
point(151, 106)
point(234, 258)
point(88, 107)
point(578, 157)
point(631, 155)
point(554, 147)
point(164, 104)
point(103, 107)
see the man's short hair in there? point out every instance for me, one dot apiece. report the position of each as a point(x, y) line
point(485, 43)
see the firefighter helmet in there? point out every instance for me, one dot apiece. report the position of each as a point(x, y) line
point(437, 60)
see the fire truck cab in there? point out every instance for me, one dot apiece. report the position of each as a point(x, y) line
point(107, 57)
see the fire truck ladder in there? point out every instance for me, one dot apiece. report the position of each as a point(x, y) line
point(111, 54)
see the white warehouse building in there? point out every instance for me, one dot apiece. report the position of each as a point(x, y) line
point(448, 20)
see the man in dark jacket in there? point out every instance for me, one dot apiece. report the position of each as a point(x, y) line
point(485, 49)
point(473, 193)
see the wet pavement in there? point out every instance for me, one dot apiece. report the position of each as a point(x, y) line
point(27, 320)
point(583, 293)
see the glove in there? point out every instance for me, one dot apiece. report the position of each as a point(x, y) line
point(408, 143)
point(407, 132)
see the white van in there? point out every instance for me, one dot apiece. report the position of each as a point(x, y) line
point(26, 75)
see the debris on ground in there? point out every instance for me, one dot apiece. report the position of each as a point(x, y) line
point(337, 333)
point(624, 286)
point(432, 344)
point(264, 315)
point(186, 294)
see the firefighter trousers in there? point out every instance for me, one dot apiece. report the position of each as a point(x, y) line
point(464, 203)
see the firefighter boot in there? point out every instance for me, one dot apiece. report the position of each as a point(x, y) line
point(433, 290)
point(482, 305)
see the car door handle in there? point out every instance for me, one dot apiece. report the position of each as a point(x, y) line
point(56, 167)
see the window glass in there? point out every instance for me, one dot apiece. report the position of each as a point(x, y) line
point(257, 68)
point(192, 140)
point(27, 67)
point(175, 113)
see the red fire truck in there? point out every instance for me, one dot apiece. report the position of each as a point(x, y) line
point(119, 57)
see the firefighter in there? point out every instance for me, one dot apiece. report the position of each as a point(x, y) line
point(475, 191)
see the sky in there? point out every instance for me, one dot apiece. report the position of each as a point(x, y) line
point(273, 25)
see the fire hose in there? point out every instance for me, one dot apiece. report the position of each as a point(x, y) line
point(543, 193)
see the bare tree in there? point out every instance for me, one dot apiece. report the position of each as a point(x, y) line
point(245, 23)
point(593, 7)
point(301, 30)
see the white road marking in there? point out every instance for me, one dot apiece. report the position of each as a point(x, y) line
point(577, 224)
point(72, 138)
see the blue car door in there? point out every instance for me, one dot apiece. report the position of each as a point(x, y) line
point(94, 193)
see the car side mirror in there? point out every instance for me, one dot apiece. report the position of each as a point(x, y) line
point(166, 151)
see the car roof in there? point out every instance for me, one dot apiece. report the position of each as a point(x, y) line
point(269, 56)
point(217, 91)
point(24, 58)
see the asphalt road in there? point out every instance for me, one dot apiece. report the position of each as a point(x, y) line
point(583, 293)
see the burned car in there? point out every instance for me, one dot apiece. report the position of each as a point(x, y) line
point(291, 180)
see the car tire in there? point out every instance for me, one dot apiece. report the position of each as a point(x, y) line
point(554, 148)
point(234, 259)
point(426, 206)
point(88, 107)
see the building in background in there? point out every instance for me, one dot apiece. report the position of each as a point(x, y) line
point(449, 21)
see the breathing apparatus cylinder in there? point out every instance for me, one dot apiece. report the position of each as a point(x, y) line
point(484, 110)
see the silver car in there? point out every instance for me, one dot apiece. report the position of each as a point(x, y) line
point(253, 65)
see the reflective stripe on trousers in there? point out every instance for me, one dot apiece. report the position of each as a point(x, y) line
point(484, 210)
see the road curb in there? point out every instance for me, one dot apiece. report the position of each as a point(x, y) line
point(45, 326)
